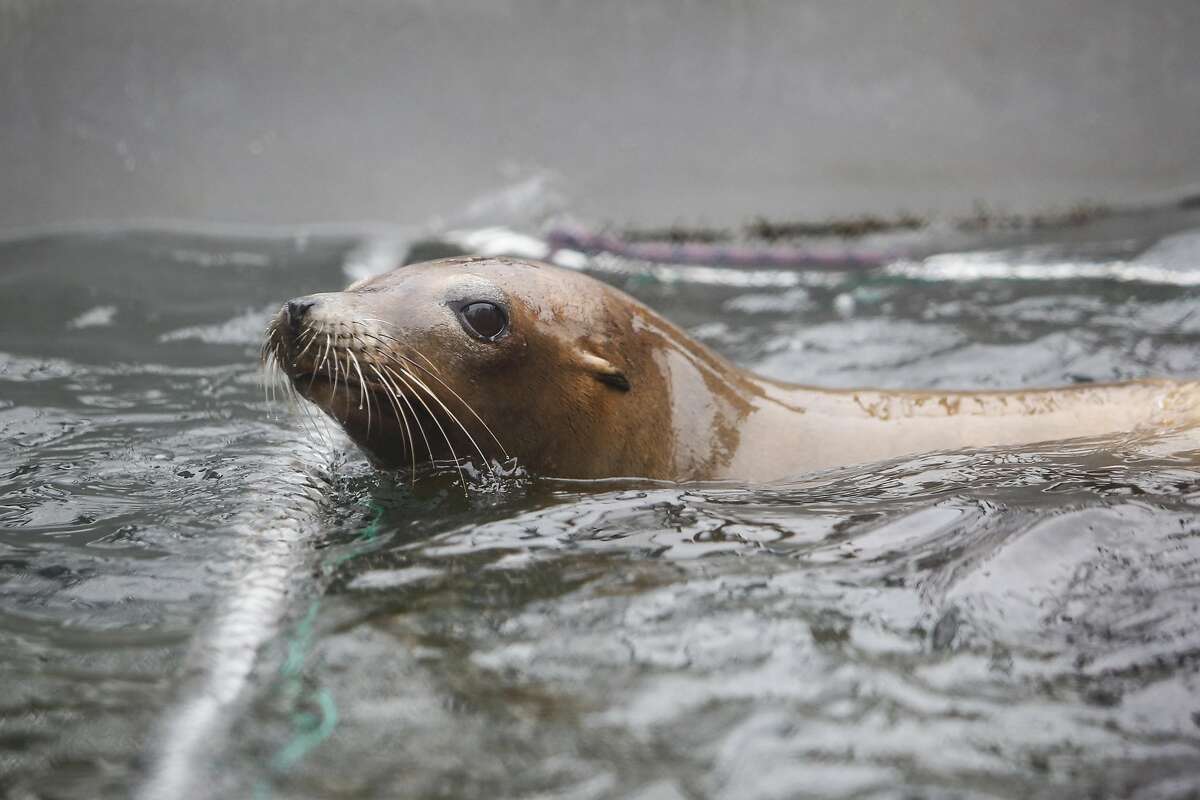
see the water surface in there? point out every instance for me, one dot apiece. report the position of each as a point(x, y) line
point(996, 623)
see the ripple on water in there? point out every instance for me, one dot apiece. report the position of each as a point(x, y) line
point(999, 623)
point(965, 623)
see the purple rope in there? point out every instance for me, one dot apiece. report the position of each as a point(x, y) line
point(718, 255)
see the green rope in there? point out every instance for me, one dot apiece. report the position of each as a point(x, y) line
point(310, 729)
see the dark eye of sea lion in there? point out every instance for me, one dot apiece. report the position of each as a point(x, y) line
point(483, 319)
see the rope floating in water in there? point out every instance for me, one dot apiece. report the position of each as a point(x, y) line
point(795, 256)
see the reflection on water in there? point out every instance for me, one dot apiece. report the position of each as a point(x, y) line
point(999, 623)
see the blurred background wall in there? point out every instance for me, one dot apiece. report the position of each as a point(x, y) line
point(648, 112)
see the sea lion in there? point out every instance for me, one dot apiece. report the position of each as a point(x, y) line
point(489, 359)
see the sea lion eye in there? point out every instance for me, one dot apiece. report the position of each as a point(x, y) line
point(485, 320)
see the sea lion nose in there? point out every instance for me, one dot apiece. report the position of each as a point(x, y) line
point(297, 309)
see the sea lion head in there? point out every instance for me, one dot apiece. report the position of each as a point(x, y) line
point(484, 359)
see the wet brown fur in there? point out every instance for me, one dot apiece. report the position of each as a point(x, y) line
point(590, 383)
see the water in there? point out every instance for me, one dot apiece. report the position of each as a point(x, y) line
point(196, 594)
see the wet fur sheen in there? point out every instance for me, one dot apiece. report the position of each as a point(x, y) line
point(589, 383)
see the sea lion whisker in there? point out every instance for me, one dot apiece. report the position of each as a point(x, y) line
point(420, 383)
point(457, 396)
point(294, 406)
point(416, 417)
point(401, 417)
point(312, 337)
point(279, 373)
point(397, 358)
point(321, 364)
point(289, 391)
point(325, 352)
point(384, 336)
point(457, 462)
point(308, 421)
point(313, 422)
point(363, 394)
point(388, 393)
point(266, 357)
point(460, 399)
point(300, 410)
point(277, 376)
point(337, 369)
point(269, 344)
point(388, 390)
point(274, 378)
point(453, 416)
point(397, 341)
point(403, 376)
point(425, 359)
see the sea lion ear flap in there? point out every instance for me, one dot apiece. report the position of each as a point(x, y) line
point(604, 370)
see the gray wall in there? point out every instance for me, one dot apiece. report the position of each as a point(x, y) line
point(648, 111)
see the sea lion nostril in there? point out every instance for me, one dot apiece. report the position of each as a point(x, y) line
point(297, 310)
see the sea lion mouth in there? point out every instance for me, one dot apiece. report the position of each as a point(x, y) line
point(325, 366)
